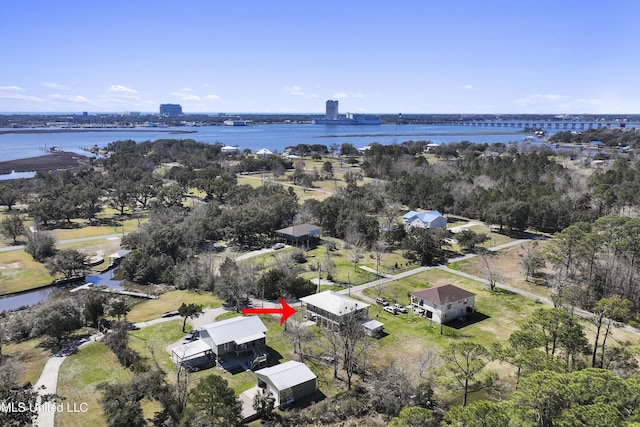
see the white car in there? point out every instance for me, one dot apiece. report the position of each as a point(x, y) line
point(278, 246)
point(400, 308)
point(390, 309)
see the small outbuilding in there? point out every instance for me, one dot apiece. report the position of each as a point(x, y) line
point(288, 382)
point(373, 328)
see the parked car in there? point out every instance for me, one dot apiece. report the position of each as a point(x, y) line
point(390, 309)
point(278, 246)
point(382, 301)
point(400, 308)
point(191, 336)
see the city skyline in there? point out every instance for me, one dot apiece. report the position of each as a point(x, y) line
point(412, 57)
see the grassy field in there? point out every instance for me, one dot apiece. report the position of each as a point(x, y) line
point(169, 301)
point(19, 271)
point(27, 358)
point(78, 378)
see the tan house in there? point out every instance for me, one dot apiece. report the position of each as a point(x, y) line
point(443, 303)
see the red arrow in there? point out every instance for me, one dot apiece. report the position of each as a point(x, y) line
point(286, 311)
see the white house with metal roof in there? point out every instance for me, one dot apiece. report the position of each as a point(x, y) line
point(328, 308)
point(431, 219)
point(231, 342)
point(288, 382)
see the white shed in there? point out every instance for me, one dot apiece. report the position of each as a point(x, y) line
point(290, 380)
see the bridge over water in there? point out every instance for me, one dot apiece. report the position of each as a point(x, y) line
point(544, 124)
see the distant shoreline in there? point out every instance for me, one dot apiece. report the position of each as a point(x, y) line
point(73, 130)
point(365, 135)
point(56, 161)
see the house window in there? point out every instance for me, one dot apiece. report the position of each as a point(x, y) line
point(226, 346)
point(448, 306)
point(465, 301)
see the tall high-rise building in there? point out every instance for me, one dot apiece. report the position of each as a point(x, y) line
point(170, 109)
point(332, 110)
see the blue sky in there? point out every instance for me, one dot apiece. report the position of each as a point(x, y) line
point(291, 56)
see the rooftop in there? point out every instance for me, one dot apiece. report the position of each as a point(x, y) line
point(288, 374)
point(334, 303)
point(237, 329)
point(443, 294)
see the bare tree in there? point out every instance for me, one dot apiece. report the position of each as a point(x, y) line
point(531, 260)
point(298, 334)
point(490, 276)
point(379, 248)
point(354, 241)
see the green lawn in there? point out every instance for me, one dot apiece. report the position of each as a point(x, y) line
point(19, 272)
point(79, 376)
point(26, 358)
point(169, 301)
point(151, 342)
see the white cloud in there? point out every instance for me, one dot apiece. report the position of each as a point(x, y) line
point(298, 91)
point(19, 97)
point(294, 90)
point(11, 88)
point(71, 98)
point(121, 89)
point(467, 87)
point(212, 97)
point(538, 99)
point(344, 95)
point(55, 86)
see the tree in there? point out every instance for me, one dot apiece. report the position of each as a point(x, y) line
point(531, 260)
point(121, 405)
point(12, 226)
point(213, 403)
point(230, 287)
point(414, 416)
point(353, 342)
point(69, 262)
point(469, 239)
point(327, 169)
point(189, 311)
point(298, 334)
point(119, 308)
point(423, 245)
point(606, 312)
point(57, 319)
point(482, 413)
point(464, 361)
point(11, 392)
point(94, 303)
point(379, 248)
point(40, 245)
point(264, 403)
point(8, 196)
point(392, 389)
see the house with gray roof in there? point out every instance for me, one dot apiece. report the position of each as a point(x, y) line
point(288, 382)
point(443, 303)
point(328, 308)
point(236, 341)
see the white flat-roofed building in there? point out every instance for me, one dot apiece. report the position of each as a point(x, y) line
point(328, 308)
